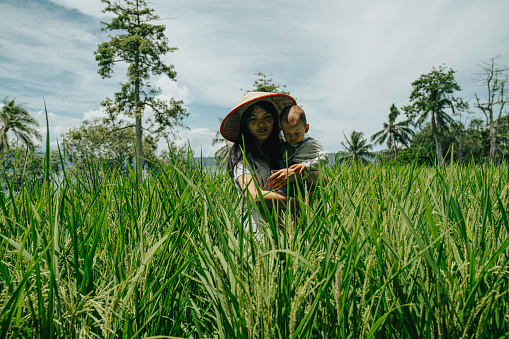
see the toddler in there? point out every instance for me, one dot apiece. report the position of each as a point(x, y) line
point(299, 153)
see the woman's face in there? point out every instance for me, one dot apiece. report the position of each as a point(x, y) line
point(260, 124)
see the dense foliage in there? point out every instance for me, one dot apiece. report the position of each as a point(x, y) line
point(431, 97)
point(463, 144)
point(112, 146)
point(438, 116)
point(21, 166)
point(381, 251)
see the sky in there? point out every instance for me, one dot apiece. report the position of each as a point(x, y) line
point(345, 62)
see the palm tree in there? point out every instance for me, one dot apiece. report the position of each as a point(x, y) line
point(432, 94)
point(222, 152)
point(440, 120)
point(16, 119)
point(358, 147)
point(394, 132)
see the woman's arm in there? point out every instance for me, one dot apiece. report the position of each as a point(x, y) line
point(272, 199)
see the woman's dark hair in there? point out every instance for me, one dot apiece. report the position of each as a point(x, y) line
point(246, 141)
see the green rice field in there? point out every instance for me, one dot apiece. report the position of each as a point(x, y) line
point(383, 251)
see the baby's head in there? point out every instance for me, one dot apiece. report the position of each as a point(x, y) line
point(293, 123)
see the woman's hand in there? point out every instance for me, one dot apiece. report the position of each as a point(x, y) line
point(281, 178)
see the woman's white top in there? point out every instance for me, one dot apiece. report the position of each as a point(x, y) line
point(261, 170)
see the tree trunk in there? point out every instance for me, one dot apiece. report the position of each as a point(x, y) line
point(139, 131)
point(439, 149)
point(493, 141)
point(436, 135)
point(138, 143)
point(391, 144)
point(459, 136)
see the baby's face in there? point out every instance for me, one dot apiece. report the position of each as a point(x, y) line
point(294, 133)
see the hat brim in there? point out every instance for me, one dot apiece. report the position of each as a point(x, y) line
point(230, 127)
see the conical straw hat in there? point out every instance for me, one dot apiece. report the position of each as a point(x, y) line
point(230, 126)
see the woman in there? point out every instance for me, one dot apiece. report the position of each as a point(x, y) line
point(253, 126)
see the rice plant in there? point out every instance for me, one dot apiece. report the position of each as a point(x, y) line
point(381, 251)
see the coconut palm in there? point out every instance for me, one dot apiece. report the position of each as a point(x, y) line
point(440, 121)
point(14, 118)
point(394, 132)
point(432, 94)
point(358, 148)
point(222, 152)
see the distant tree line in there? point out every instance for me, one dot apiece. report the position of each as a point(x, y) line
point(435, 127)
point(438, 125)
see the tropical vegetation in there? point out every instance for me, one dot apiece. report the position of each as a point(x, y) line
point(432, 95)
point(445, 128)
point(394, 132)
point(111, 146)
point(357, 149)
point(384, 251)
point(16, 119)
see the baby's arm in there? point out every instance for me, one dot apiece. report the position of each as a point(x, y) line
point(307, 159)
point(314, 155)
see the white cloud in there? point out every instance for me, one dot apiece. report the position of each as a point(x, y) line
point(45, 56)
point(200, 140)
point(222, 46)
point(58, 125)
point(94, 114)
point(171, 89)
point(89, 7)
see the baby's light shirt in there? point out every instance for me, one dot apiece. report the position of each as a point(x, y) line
point(308, 151)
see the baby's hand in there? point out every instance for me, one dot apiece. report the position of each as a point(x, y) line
point(281, 177)
point(298, 168)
